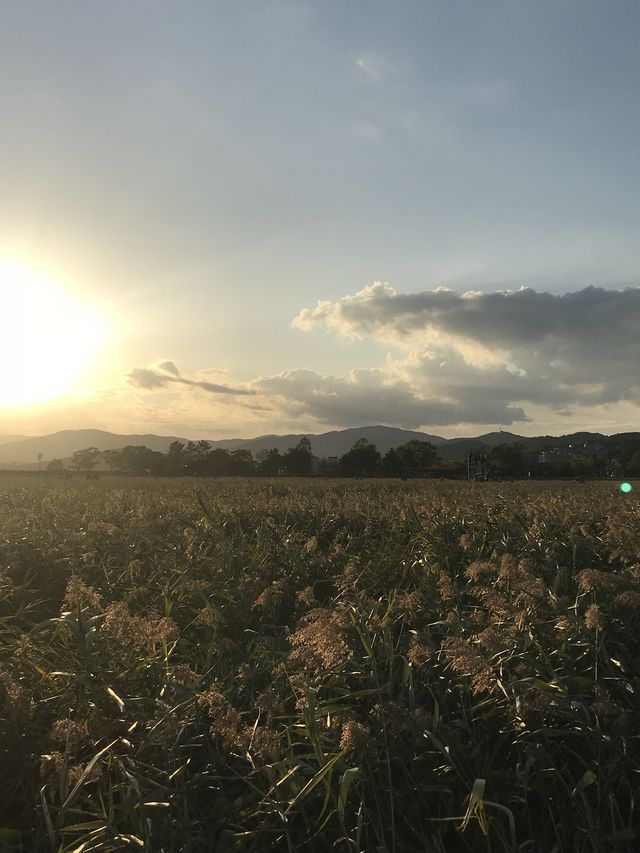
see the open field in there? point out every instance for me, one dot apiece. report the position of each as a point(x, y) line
point(313, 665)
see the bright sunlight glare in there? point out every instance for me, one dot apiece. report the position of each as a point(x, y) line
point(48, 339)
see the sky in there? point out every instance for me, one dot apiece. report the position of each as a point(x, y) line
point(225, 219)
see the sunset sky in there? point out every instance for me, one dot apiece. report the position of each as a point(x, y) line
point(224, 219)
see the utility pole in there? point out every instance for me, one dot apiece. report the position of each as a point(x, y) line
point(40, 458)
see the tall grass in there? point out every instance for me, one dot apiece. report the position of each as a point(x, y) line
point(373, 666)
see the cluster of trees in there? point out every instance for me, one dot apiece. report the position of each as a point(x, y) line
point(413, 459)
point(514, 460)
point(198, 458)
point(624, 448)
point(511, 460)
point(633, 466)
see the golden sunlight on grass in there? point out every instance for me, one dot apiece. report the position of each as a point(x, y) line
point(48, 339)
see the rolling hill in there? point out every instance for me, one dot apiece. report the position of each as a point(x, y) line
point(459, 448)
point(334, 443)
point(8, 439)
point(62, 445)
point(21, 452)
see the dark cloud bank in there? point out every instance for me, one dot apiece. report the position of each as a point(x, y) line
point(511, 318)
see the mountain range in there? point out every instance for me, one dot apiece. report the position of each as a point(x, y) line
point(22, 451)
point(7, 439)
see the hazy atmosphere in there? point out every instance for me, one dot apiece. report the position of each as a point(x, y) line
point(225, 219)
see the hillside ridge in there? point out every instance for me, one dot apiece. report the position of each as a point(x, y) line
point(23, 451)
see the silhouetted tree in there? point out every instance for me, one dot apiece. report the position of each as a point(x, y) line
point(623, 447)
point(196, 453)
point(142, 460)
point(417, 457)
point(190, 457)
point(392, 465)
point(114, 459)
point(363, 459)
point(241, 463)
point(297, 460)
point(271, 462)
point(85, 460)
point(507, 459)
point(634, 464)
point(217, 462)
point(176, 459)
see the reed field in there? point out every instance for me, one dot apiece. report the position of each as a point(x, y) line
point(283, 665)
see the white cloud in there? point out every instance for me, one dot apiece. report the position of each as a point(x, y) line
point(373, 67)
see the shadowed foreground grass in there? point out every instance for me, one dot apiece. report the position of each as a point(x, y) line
point(316, 665)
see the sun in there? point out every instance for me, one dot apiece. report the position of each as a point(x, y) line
point(48, 339)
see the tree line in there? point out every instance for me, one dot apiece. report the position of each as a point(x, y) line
point(413, 459)
point(198, 459)
point(620, 456)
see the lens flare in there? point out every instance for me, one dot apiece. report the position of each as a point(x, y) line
point(626, 488)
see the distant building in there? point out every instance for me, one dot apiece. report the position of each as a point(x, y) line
point(573, 452)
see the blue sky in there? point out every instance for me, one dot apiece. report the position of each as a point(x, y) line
point(204, 171)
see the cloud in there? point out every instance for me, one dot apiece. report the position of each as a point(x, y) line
point(578, 348)
point(373, 67)
point(169, 367)
point(474, 358)
point(389, 395)
point(504, 316)
point(166, 373)
point(141, 377)
point(378, 396)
